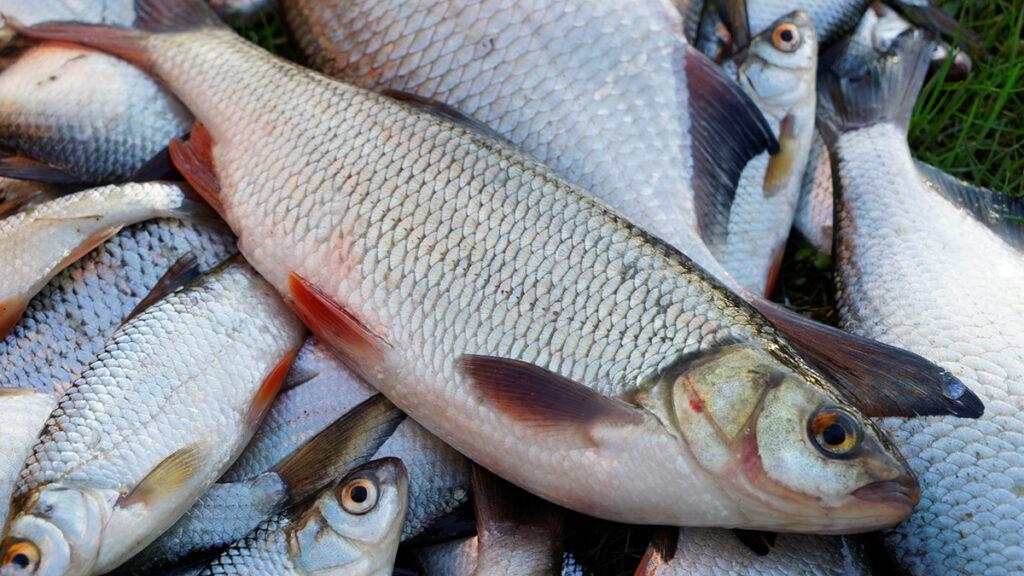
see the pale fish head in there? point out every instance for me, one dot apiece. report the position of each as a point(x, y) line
point(790, 452)
point(54, 530)
point(355, 526)
point(777, 70)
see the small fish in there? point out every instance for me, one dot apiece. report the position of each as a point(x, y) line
point(517, 534)
point(716, 552)
point(777, 71)
point(516, 336)
point(62, 120)
point(352, 528)
point(73, 225)
point(930, 263)
point(320, 392)
point(154, 421)
point(615, 117)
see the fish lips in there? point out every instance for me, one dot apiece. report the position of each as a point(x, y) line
point(902, 494)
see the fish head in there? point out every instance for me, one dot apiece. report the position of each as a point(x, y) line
point(787, 449)
point(357, 523)
point(56, 530)
point(778, 68)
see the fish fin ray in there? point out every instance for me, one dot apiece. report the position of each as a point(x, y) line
point(170, 474)
point(660, 551)
point(349, 442)
point(781, 165)
point(181, 273)
point(501, 506)
point(757, 541)
point(194, 159)
point(879, 379)
point(24, 168)
point(268, 390)
point(447, 112)
point(728, 131)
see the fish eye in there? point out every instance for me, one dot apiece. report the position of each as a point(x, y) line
point(359, 496)
point(22, 555)
point(786, 37)
point(835, 432)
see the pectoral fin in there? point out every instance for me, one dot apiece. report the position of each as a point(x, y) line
point(181, 273)
point(194, 159)
point(169, 475)
point(23, 168)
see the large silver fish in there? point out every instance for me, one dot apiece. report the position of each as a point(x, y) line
point(77, 116)
point(41, 241)
point(777, 71)
point(617, 117)
point(935, 265)
point(154, 421)
point(506, 310)
point(352, 528)
point(67, 324)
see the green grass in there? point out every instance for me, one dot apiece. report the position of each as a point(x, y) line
point(971, 129)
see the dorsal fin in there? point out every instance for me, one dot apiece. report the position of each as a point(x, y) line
point(448, 113)
point(181, 273)
point(728, 130)
point(1001, 213)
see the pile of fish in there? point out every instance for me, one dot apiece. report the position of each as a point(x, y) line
point(534, 242)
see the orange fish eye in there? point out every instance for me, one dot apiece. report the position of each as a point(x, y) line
point(835, 432)
point(786, 37)
point(22, 556)
point(358, 496)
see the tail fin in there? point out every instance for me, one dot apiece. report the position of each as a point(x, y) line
point(858, 88)
point(152, 16)
point(347, 443)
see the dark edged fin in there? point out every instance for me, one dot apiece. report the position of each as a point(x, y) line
point(352, 340)
point(758, 542)
point(268, 390)
point(738, 23)
point(503, 509)
point(180, 274)
point(447, 112)
point(660, 551)
point(727, 131)
point(780, 165)
point(543, 399)
point(22, 168)
point(860, 90)
point(459, 523)
point(159, 167)
point(1001, 213)
point(879, 379)
point(932, 18)
point(194, 159)
point(169, 475)
point(347, 443)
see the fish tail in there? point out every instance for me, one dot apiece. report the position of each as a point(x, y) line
point(131, 44)
point(861, 89)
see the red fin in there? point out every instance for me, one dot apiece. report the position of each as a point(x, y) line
point(879, 379)
point(542, 398)
point(661, 551)
point(10, 312)
point(268, 389)
point(335, 325)
point(194, 159)
point(22, 168)
point(774, 267)
point(124, 43)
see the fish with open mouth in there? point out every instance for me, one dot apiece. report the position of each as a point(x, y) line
point(150, 425)
point(351, 528)
point(935, 265)
point(507, 311)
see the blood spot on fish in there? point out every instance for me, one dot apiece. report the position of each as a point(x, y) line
point(697, 405)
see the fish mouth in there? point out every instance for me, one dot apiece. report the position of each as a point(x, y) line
point(902, 492)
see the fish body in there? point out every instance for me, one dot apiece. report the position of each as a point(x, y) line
point(445, 285)
point(777, 71)
point(714, 552)
point(24, 414)
point(920, 269)
point(249, 493)
point(352, 528)
point(153, 422)
point(814, 212)
point(72, 226)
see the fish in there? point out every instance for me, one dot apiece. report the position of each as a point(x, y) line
point(73, 225)
point(242, 11)
point(613, 117)
point(504, 309)
point(17, 195)
point(710, 551)
point(777, 71)
point(814, 211)
point(932, 264)
point(69, 321)
point(150, 425)
point(516, 534)
point(351, 528)
point(61, 121)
